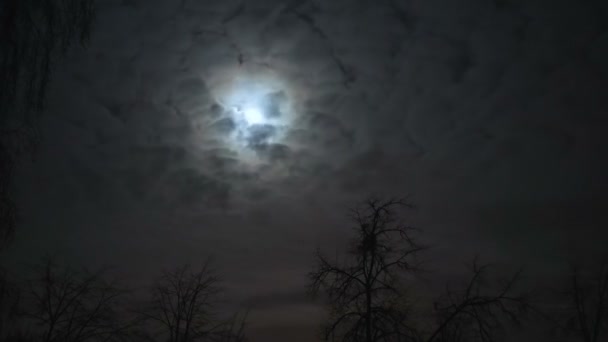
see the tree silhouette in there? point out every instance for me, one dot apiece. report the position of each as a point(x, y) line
point(588, 297)
point(33, 33)
point(364, 295)
point(231, 330)
point(183, 304)
point(69, 305)
point(478, 311)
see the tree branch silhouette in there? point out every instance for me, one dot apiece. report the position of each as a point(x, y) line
point(588, 297)
point(363, 294)
point(183, 303)
point(33, 34)
point(477, 311)
point(70, 305)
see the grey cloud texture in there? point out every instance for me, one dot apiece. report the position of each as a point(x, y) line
point(469, 107)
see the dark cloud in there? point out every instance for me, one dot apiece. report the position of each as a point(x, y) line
point(258, 135)
point(191, 186)
point(224, 126)
point(277, 300)
point(491, 115)
point(148, 164)
point(274, 104)
point(274, 152)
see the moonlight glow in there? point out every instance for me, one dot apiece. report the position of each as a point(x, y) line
point(260, 108)
point(253, 115)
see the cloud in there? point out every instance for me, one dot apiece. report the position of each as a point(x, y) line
point(274, 104)
point(191, 186)
point(461, 105)
point(224, 126)
point(437, 86)
point(258, 135)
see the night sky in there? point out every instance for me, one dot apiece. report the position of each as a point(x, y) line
point(245, 129)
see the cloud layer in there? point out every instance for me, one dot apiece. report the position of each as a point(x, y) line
point(474, 110)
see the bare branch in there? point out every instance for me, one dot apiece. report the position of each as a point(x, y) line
point(32, 35)
point(588, 297)
point(72, 305)
point(183, 302)
point(477, 311)
point(363, 293)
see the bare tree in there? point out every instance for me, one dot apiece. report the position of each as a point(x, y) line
point(366, 298)
point(33, 33)
point(68, 305)
point(232, 329)
point(588, 297)
point(184, 304)
point(478, 311)
point(364, 295)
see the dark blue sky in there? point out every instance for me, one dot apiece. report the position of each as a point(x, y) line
point(490, 115)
